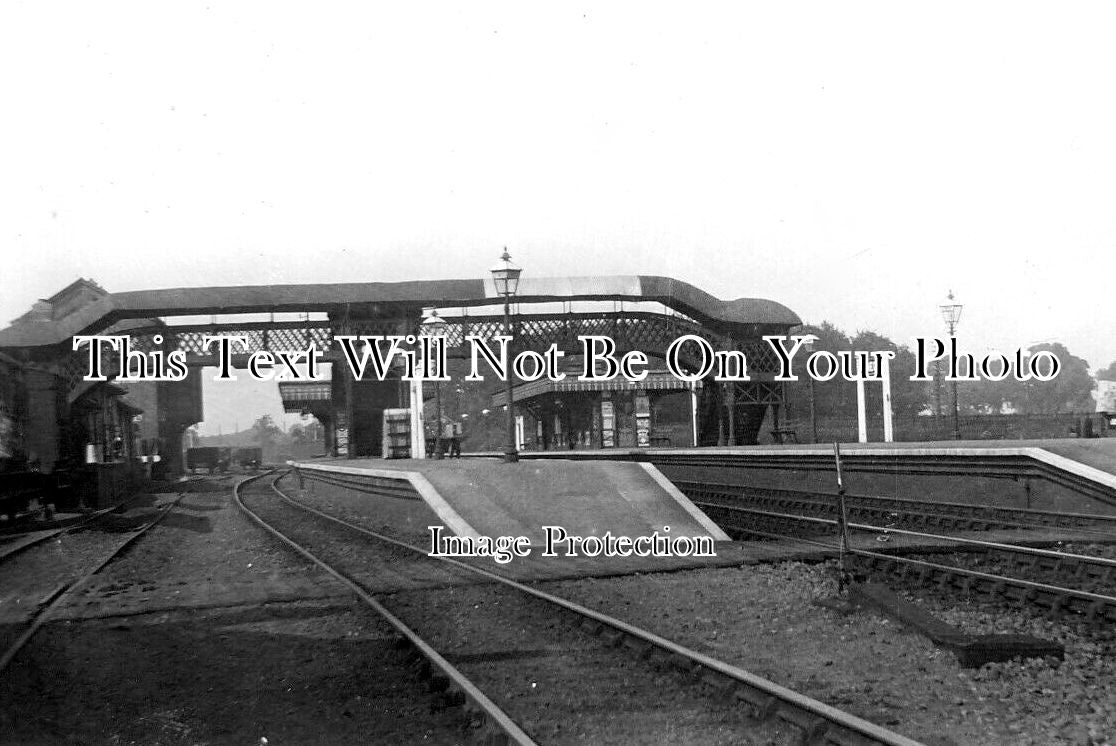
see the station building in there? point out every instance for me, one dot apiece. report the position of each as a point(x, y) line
point(101, 437)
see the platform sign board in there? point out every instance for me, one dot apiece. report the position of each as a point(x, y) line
point(643, 419)
point(642, 404)
point(608, 424)
point(341, 436)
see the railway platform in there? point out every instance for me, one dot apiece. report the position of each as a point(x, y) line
point(488, 498)
point(483, 497)
point(1095, 453)
point(1070, 475)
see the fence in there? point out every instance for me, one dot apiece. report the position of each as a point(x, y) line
point(971, 427)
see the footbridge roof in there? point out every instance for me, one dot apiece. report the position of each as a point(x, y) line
point(99, 314)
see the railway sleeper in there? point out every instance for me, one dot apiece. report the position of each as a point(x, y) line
point(437, 682)
point(685, 664)
point(982, 517)
point(591, 625)
point(494, 737)
point(642, 648)
point(763, 705)
point(1056, 604)
point(716, 681)
point(813, 728)
point(612, 637)
point(481, 728)
point(413, 658)
point(839, 736)
point(451, 698)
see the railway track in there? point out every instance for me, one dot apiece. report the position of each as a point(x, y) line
point(520, 658)
point(902, 511)
point(15, 542)
point(64, 592)
point(1098, 574)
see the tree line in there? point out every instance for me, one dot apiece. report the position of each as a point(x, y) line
point(1070, 391)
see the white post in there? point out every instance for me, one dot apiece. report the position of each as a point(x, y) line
point(889, 430)
point(418, 431)
point(861, 415)
point(694, 411)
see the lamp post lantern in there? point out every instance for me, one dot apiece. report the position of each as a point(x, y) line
point(435, 326)
point(809, 342)
point(951, 314)
point(505, 276)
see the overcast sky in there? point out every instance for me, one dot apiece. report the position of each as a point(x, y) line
point(854, 161)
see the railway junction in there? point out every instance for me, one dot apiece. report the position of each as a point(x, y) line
point(301, 604)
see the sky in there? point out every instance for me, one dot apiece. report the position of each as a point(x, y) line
point(853, 161)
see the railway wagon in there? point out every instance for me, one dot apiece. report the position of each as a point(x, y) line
point(248, 458)
point(212, 458)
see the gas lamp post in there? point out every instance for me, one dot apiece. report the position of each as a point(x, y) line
point(951, 313)
point(505, 276)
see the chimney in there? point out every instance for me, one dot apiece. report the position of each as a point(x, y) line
point(42, 310)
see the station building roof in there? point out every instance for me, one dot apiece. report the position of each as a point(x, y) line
point(46, 326)
point(656, 380)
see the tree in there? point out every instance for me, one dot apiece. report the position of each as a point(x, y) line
point(1109, 373)
point(837, 397)
point(1070, 391)
point(298, 434)
point(988, 397)
point(908, 397)
point(265, 432)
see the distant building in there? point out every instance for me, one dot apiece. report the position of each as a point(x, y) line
point(1105, 394)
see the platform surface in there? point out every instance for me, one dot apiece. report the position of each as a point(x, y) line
point(586, 498)
point(1094, 453)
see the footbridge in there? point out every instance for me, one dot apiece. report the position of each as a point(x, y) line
point(638, 312)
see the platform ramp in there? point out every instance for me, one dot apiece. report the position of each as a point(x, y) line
point(486, 497)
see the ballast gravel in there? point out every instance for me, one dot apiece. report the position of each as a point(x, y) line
point(763, 618)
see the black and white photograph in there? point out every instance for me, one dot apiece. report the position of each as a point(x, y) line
point(557, 373)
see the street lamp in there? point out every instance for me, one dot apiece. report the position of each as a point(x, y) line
point(505, 276)
point(809, 341)
point(434, 326)
point(951, 313)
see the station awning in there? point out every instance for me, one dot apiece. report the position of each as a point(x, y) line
point(86, 387)
point(299, 396)
point(659, 380)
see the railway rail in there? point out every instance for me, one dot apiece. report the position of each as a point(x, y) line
point(15, 542)
point(763, 701)
point(65, 592)
point(905, 511)
point(1097, 572)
